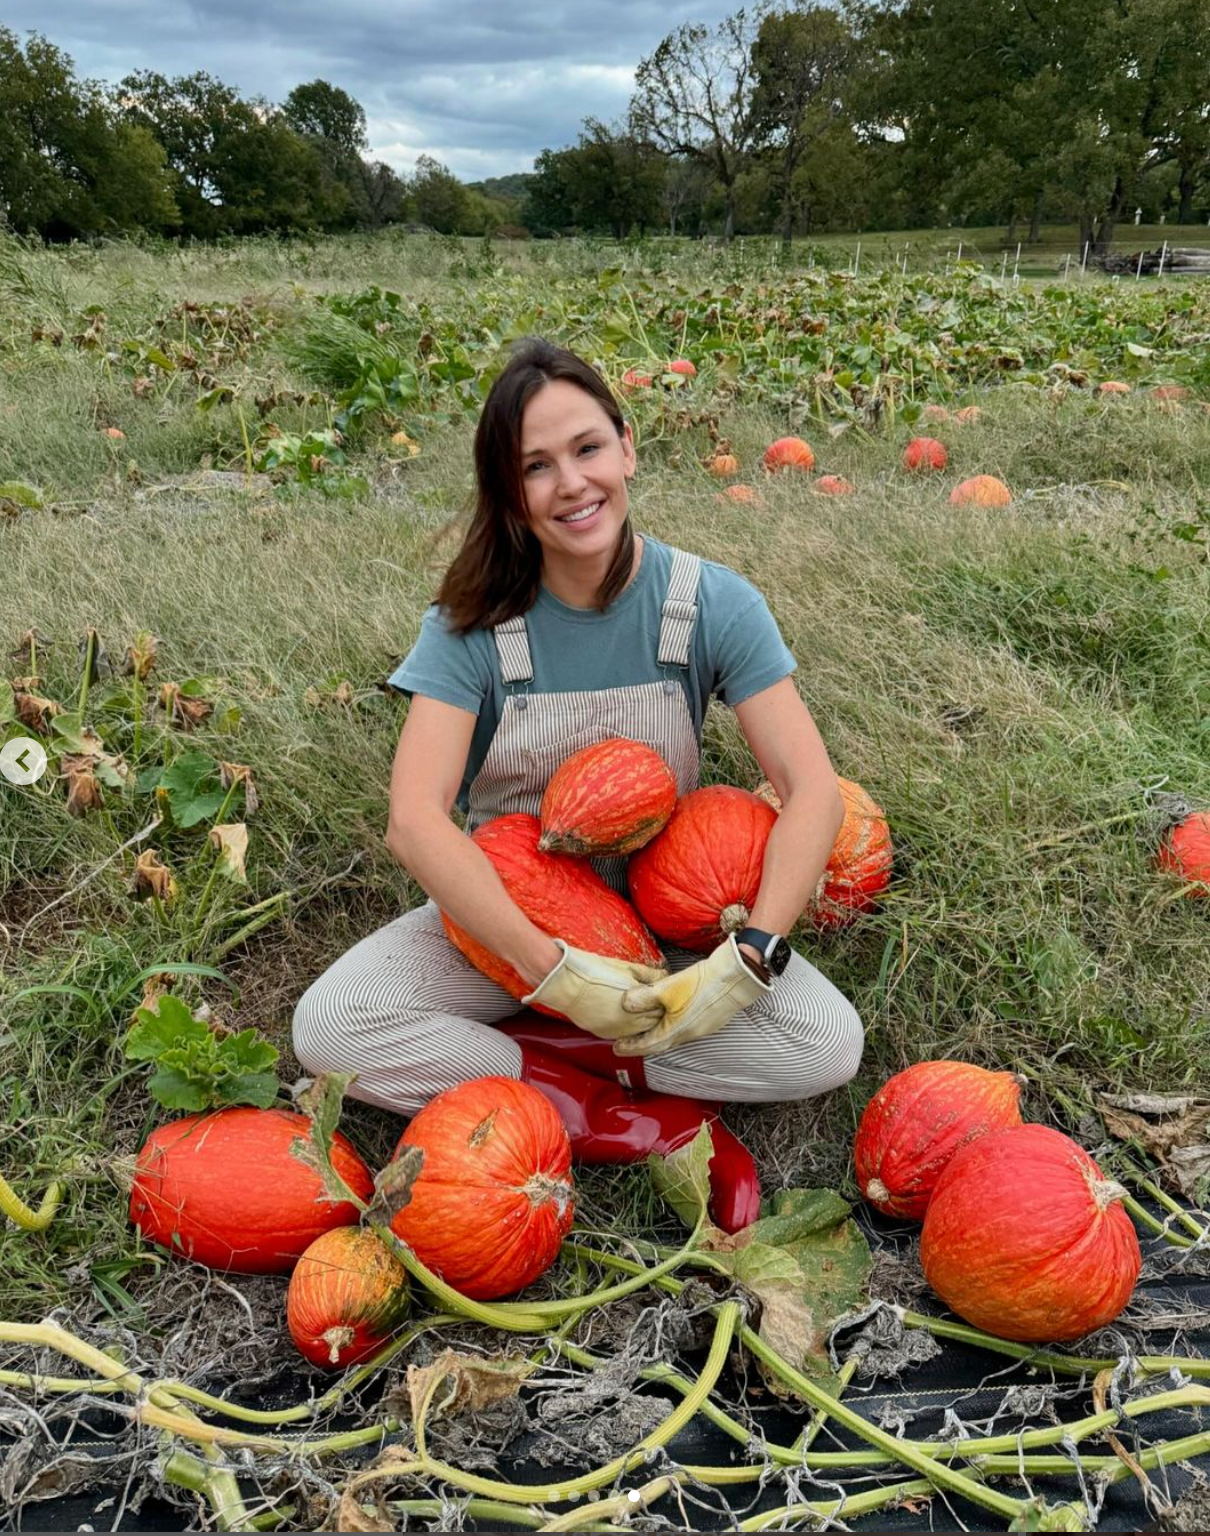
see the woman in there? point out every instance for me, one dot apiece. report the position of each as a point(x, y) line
point(555, 626)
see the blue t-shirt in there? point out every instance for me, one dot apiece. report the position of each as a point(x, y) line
point(737, 650)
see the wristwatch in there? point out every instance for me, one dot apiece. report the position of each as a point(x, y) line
point(774, 950)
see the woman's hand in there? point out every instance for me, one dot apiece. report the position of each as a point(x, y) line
point(589, 989)
point(696, 1002)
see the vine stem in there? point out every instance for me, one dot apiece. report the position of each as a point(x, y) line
point(849, 1507)
point(1173, 1207)
point(1153, 1224)
point(12, 1205)
point(624, 1504)
point(490, 1509)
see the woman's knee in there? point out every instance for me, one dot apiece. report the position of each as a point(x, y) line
point(827, 1055)
point(317, 1030)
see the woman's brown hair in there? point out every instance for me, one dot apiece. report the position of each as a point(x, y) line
point(497, 572)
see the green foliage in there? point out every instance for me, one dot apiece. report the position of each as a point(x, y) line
point(197, 1067)
point(193, 788)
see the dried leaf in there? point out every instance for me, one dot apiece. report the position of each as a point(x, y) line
point(321, 1100)
point(183, 709)
point(152, 878)
point(1179, 1141)
point(35, 713)
point(231, 840)
point(83, 790)
point(240, 773)
point(353, 1516)
point(140, 655)
point(31, 641)
point(461, 1382)
point(1153, 1103)
point(394, 1462)
point(393, 1186)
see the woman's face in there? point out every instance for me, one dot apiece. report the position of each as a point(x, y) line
point(574, 468)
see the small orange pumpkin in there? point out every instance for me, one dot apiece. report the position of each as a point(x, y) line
point(1169, 394)
point(1113, 387)
point(607, 799)
point(981, 491)
point(745, 493)
point(935, 413)
point(634, 379)
point(967, 414)
point(858, 868)
point(918, 1120)
point(347, 1296)
point(1025, 1238)
point(789, 453)
point(925, 453)
point(834, 485)
point(683, 366)
point(1186, 852)
point(723, 464)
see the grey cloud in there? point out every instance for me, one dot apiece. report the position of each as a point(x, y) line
point(482, 86)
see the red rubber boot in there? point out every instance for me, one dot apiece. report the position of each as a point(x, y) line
point(560, 1038)
point(607, 1125)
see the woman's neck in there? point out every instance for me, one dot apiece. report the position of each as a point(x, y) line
point(578, 587)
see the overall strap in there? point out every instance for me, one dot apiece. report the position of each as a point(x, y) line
point(512, 646)
point(680, 609)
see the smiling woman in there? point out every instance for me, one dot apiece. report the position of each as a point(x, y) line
point(558, 626)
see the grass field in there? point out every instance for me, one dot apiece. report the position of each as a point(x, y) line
point(1026, 691)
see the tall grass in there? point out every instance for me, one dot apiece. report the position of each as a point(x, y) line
point(1018, 688)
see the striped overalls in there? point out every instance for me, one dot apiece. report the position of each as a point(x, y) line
point(406, 1012)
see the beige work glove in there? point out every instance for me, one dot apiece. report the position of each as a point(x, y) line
point(697, 1001)
point(589, 989)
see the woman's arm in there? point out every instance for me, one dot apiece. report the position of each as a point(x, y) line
point(429, 763)
point(778, 727)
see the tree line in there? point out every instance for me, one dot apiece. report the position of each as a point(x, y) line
point(873, 114)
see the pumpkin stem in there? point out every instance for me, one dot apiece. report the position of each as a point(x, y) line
point(1105, 1192)
point(877, 1190)
point(336, 1339)
point(734, 917)
point(540, 1188)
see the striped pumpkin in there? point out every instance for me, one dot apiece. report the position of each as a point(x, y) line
point(563, 896)
point(696, 882)
point(858, 868)
point(609, 798)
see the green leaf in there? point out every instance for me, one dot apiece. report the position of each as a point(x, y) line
point(153, 1033)
point(257, 1088)
point(194, 788)
point(248, 1052)
point(175, 1089)
point(683, 1177)
point(21, 494)
point(1137, 351)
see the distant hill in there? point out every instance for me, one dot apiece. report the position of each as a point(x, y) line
point(512, 188)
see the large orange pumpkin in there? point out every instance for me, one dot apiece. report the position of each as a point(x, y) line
point(1025, 1238)
point(918, 1120)
point(696, 882)
point(924, 453)
point(858, 868)
point(1186, 852)
point(494, 1198)
point(562, 895)
point(607, 799)
point(789, 453)
point(346, 1297)
point(226, 1190)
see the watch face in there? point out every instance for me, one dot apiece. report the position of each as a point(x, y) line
point(779, 958)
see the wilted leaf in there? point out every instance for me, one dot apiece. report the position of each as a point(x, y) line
point(83, 790)
point(153, 878)
point(34, 712)
point(240, 773)
point(393, 1186)
point(140, 655)
point(321, 1101)
point(394, 1462)
point(75, 740)
point(184, 709)
point(1178, 1137)
point(683, 1177)
point(231, 840)
point(463, 1382)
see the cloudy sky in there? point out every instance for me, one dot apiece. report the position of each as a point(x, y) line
point(482, 85)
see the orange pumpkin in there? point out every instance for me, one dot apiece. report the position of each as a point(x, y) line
point(918, 1120)
point(1169, 394)
point(1186, 852)
point(226, 1190)
point(633, 379)
point(723, 464)
point(347, 1296)
point(1025, 1238)
point(967, 414)
point(858, 868)
point(834, 485)
point(683, 366)
point(607, 799)
point(925, 453)
point(981, 491)
point(562, 895)
point(697, 880)
point(1113, 387)
point(934, 413)
point(746, 494)
point(493, 1199)
point(789, 453)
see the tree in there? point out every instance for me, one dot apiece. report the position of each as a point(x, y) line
point(549, 206)
point(693, 97)
point(800, 59)
point(438, 197)
point(322, 111)
point(614, 179)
